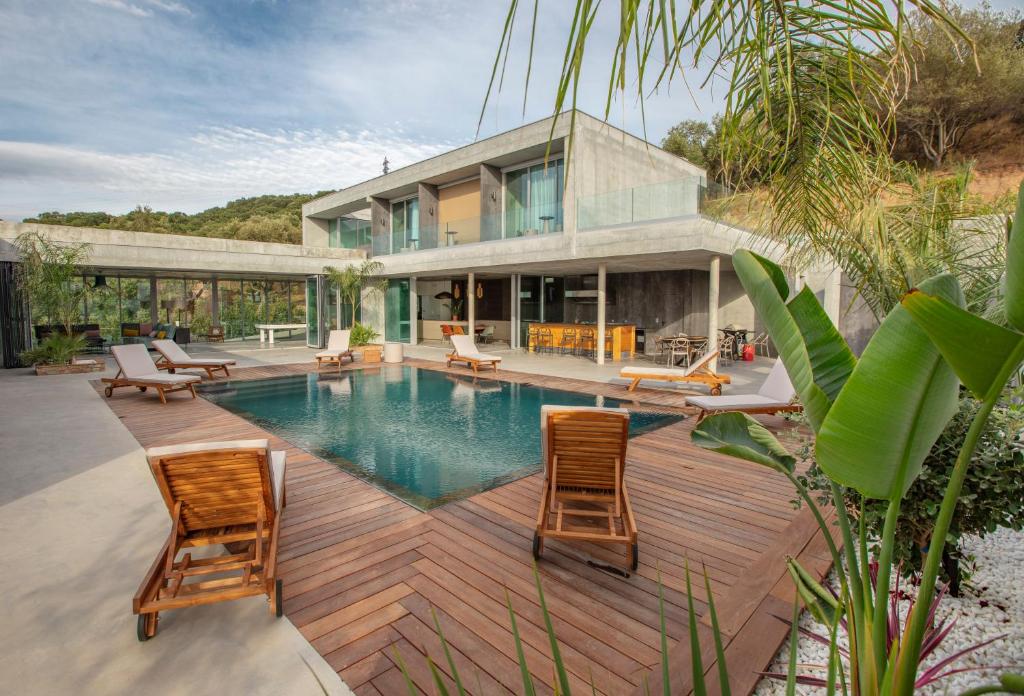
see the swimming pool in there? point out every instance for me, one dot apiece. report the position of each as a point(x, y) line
point(426, 436)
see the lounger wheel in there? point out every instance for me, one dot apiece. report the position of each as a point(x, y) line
point(108, 392)
point(716, 391)
point(537, 548)
point(141, 389)
point(279, 598)
point(636, 558)
point(145, 627)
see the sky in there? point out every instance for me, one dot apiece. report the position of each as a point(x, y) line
point(186, 104)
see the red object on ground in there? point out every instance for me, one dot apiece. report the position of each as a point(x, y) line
point(748, 353)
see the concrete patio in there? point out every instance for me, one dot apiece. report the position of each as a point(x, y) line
point(80, 521)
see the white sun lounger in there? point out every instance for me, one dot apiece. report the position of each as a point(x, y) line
point(337, 348)
point(464, 350)
point(774, 396)
point(137, 369)
point(698, 373)
point(172, 358)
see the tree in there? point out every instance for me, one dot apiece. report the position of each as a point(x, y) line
point(948, 92)
point(694, 141)
point(353, 279)
point(50, 276)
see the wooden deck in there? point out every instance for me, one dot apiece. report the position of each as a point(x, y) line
point(365, 574)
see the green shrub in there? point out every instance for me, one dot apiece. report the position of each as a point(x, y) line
point(991, 492)
point(362, 334)
point(55, 349)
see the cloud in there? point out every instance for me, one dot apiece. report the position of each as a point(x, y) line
point(123, 6)
point(139, 11)
point(212, 167)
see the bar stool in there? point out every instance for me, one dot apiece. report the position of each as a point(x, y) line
point(569, 342)
point(609, 343)
point(533, 338)
point(545, 340)
point(586, 343)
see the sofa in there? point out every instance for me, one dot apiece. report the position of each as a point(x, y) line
point(145, 333)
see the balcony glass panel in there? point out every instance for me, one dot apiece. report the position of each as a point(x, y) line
point(648, 203)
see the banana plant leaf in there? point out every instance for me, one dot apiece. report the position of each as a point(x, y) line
point(1015, 267)
point(983, 354)
point(739, 435)
point(816, 357)
point(893, 406)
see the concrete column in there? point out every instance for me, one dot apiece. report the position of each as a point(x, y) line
point(429, 235)
point(215, 304)
point(513, 339)
point(413, 303)
point(490, 202)
point(337, 306)
point(833, 289)
point(154, 310)
point(716, 264)
point(471, 304)
point(602, 288)
point(380, 225)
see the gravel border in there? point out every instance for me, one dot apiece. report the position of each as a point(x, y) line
point(992, 604)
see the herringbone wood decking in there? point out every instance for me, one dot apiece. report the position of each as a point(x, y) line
point(365, 574)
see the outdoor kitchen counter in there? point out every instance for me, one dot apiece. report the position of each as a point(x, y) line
point(621, 342)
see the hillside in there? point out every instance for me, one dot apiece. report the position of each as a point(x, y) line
point(259, 218)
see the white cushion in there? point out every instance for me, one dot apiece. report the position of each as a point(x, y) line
point(174, 353)
point(206, 447)
point(170, 350)
point(652, 372)
point(134, 360)
point(330, 353)
point(164, 378)
point(278, 463)
point(737, 401)
point(337, 341)
point(778, 385)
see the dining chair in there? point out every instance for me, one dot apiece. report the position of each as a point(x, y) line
point(760, 343)
point(679, 346)
point(727, 348)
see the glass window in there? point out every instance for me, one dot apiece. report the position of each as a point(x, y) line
point(405, 225)
point(349, 233)
point(533, 199)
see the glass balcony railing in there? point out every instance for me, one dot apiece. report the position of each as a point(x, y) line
point(647, 203)
point(484, 228)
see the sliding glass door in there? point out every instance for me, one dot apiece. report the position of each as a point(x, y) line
point(396, 311)
point(533, 199)
point(405, 225)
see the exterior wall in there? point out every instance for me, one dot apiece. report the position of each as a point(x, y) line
point(607, 159)
point(118, 249)
point(856, 321)
point(314, 232)
point(734, 307)
point(460, 204)
point(371, 311)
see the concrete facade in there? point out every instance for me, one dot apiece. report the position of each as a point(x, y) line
point(113, 250)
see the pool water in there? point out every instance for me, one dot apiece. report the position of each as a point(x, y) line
point(428, 437)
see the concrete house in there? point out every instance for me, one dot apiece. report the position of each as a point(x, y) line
point(519, 234)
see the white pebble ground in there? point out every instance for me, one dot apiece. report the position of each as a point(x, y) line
point(992, 605)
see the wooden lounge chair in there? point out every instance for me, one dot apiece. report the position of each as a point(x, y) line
point(775, 396)
point(585, 498)
point(337, 348)
point(464, 350)
point(137, 369)
point(697, 373)
point(172, 358)
point(229, 493)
